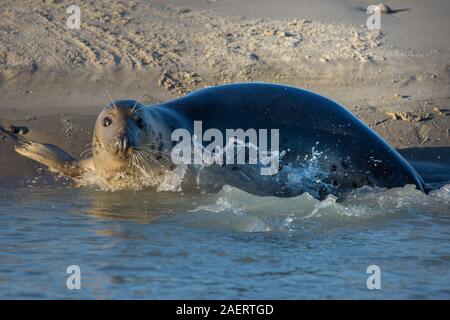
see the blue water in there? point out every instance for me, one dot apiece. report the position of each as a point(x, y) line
point(232, 245)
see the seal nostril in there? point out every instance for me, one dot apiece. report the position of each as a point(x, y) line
point(122, 144)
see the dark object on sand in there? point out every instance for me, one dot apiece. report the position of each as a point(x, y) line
point(16, 130)
point(385, 9)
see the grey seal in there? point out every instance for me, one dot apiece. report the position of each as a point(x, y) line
point(324, 148)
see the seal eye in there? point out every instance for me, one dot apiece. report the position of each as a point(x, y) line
point(107, 121)
point(140, 122)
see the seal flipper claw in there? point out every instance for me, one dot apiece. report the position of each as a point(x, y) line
point(51, 156)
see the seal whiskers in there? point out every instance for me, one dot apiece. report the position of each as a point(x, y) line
point(112, 101)
point(141, 164)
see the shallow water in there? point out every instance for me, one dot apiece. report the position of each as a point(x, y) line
point(230, 245)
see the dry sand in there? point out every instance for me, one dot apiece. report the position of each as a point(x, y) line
point(55, 81)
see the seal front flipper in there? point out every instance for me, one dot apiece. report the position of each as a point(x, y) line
point(51, 156)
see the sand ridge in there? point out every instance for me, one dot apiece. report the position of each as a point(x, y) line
point(117, 34)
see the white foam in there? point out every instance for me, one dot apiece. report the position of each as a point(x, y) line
point(168, 181)
point(364, 203)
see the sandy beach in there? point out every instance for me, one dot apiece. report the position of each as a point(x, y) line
point(54, 80)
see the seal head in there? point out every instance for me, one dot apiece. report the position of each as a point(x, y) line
point(119, 131)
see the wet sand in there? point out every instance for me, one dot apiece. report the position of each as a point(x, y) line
point(55, 81)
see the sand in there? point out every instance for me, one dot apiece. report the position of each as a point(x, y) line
point(54, 80)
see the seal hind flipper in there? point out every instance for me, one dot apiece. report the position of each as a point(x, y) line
point(51, 156)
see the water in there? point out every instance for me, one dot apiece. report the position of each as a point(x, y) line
point(226, 246)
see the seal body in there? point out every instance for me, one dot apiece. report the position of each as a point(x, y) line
point(323, 148)
point(326, 148)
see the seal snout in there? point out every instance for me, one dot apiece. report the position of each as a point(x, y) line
point(123, 147)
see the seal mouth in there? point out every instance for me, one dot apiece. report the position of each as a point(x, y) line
point(124, 156)
point(123, 148)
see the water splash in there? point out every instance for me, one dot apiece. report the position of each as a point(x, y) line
point(285, 214)
point(167, 181)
